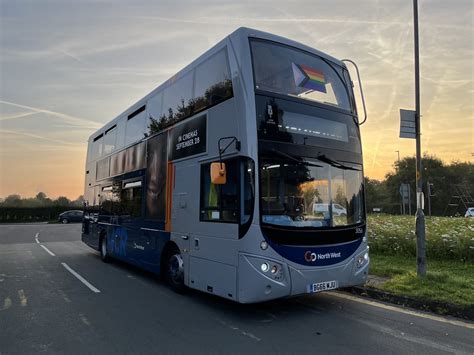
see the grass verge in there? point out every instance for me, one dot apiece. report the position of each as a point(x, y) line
point(446, 237)
point(448, 281)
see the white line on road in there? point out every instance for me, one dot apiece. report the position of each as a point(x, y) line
point(84, 319)
point(241, 331)
point(49, 251)
point(405, 311)
point(23, 298)
point(404, 336)
point(7, 303)
point(80, 278)
point(42, 246)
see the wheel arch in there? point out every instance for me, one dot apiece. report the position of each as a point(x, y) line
point(169, 247)
point(102, 235)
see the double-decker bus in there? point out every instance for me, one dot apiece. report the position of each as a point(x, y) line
point(241, 176)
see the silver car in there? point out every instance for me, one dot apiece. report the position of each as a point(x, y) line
point(469, 212)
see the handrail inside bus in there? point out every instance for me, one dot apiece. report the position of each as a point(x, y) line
point(360, 88)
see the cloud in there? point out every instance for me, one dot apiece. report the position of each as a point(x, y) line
point(74, 120)
point(70, 55)
point(37, 136)
point(18, 115)
point(238, 20)
point(92, 59)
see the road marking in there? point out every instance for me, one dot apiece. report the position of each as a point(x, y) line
point(80, 278)
point(49, 251)
point(42, 246)
point(405, 336)
point(7, 303)
point(405, 311)
point(241, 331)
point(23, 298)
point(65, 298)
point(84, 319)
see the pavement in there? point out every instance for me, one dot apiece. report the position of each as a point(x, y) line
point(57, 296)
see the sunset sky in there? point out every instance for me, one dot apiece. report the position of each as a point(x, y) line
point(68, 66)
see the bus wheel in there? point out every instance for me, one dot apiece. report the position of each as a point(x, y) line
point(104, 255)
point(175, 271)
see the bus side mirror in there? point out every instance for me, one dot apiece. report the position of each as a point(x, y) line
point(218, 173)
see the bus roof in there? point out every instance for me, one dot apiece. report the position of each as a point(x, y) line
point(253, 33)
point(239, 34)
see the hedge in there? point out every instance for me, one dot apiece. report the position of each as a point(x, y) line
point(31, 214)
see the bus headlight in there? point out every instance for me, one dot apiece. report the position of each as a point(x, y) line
point(362, 259)
point(269, 268)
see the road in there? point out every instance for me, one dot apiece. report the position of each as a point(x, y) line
point(57, 296)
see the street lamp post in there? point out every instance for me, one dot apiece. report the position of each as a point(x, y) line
point(420, 217)
point(398, 170)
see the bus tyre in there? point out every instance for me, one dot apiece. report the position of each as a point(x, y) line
point(174, 274)
point(104, 255)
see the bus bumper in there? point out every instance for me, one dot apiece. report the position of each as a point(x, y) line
point(353, 272)
point(257, 282)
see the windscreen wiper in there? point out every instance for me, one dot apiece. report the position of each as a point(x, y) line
point(335, 163)
point(296, 159)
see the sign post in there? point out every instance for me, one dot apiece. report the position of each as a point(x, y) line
point(420, 216)
point(410, 127)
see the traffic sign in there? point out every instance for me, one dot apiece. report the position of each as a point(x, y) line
point(407, 124)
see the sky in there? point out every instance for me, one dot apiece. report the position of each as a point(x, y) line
point(67, 67)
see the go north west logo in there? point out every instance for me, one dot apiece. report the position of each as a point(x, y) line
point(312, 257)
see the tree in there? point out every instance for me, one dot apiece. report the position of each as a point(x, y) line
point(62, 201)
point(41, 196)
point(340, 197)
point(78, 202)
point(443, 176)
point(41, 200)
point(13, 201)
point(377, 196)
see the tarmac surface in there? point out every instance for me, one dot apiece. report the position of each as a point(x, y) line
point(57, 296)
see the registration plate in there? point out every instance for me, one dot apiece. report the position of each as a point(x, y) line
point(322, 286)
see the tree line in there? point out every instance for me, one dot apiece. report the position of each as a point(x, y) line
point(40, 200)
point(445, 180)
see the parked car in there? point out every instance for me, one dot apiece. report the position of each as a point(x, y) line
point(469, 212)
point(71, 216)
point(337, 209)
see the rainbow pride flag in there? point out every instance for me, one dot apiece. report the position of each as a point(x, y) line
point(308, 77)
